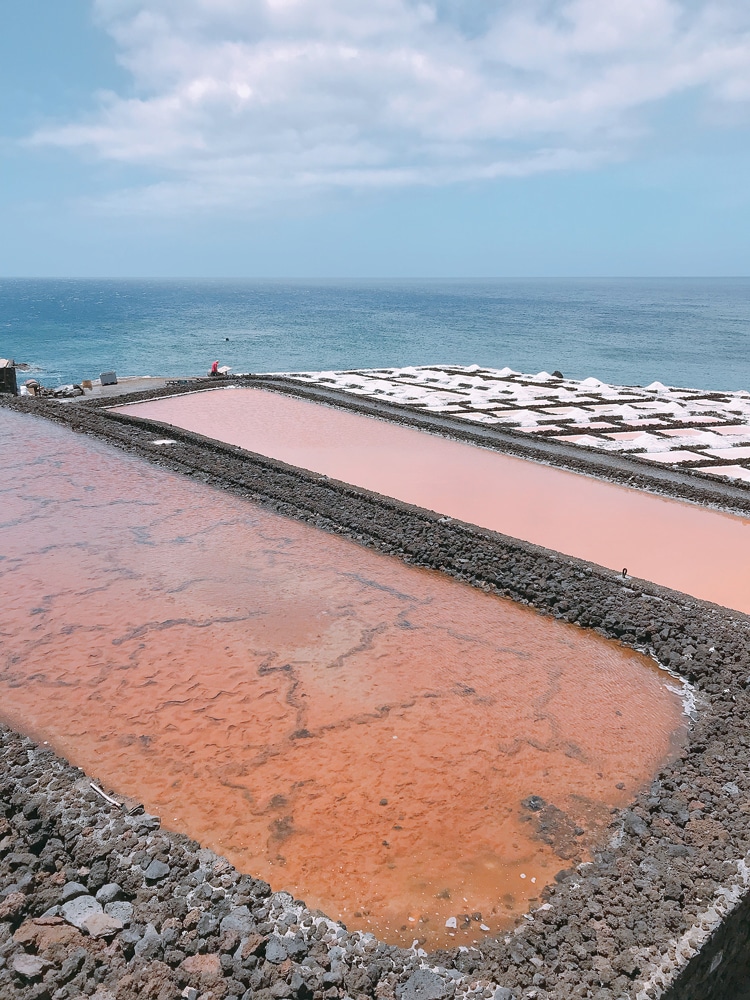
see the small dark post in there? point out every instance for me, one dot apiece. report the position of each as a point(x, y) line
point(8, 382)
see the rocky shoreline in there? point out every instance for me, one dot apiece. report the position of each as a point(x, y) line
point(645, 919)
point(97, 900)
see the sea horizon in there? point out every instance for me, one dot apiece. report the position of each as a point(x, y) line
point(626, 330)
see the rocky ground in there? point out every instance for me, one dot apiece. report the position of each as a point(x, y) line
point(625, 925)
point(97, 900)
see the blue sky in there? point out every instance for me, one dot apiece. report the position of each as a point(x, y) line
point(396, 138)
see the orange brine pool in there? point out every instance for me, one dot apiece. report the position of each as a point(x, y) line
point(357, 731)
point(693, 549)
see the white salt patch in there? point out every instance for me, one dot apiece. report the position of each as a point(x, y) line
point(482, 403)
point(628, 413)
point(569, 411)
point(585, 439)
point(655, 407)
point(735, 430)
point(730, 453)
point(674, 457)
point(631, 440)
point(682, 432)
point(730, 471)
point(694, 438)
point(626, 436)
point(528, 393)
point(604, 408)
point(653, 444)
point(526, 418)
point(645, 422)
point(568, 397)
point(541, 427)
point(476, 418)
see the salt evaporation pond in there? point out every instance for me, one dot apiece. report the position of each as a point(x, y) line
point(357, 731)
point(684, 546)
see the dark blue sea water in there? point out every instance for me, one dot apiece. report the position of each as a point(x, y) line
point(692, 332)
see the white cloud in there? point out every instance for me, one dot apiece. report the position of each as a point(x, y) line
point(236, 101)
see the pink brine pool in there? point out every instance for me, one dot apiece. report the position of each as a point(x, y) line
point(699, 551)
point(364, 734)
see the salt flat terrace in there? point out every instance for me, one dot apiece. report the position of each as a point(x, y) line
point(690, 429)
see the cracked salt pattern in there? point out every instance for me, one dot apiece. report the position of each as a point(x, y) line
point(588, 413)
point(355, 730)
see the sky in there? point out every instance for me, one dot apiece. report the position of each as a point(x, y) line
point(404, 138)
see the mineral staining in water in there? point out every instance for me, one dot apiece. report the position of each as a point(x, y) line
point(679, 545)
point(411, 755)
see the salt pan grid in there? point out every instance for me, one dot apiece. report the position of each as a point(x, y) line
point(699, 430)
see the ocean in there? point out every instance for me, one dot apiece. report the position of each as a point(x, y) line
point(691, 332)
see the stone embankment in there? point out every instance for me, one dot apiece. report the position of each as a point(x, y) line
point(658, 913)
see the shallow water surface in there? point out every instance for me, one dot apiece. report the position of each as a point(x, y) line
point(684, 546)
point(357, 731)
